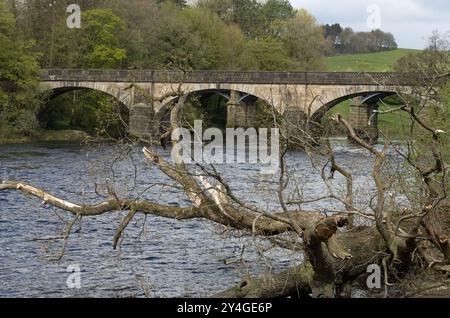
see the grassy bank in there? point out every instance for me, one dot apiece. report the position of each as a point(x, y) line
point(372, 62)
point(44, 135)
point(393, 123)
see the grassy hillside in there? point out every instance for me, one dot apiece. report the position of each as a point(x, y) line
point(390, 123)
point(372, 62)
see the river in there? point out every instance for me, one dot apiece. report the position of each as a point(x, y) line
point(158, 257)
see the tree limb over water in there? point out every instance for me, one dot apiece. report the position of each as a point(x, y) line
point(337, 250)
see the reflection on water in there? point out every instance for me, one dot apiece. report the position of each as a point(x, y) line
point(170, 258)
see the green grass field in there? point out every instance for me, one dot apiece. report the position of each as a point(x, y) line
point(390, 123)
point(372, 62)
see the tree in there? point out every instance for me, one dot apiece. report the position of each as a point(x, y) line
point(218, 45)
point(94, 45)
point(266, 55)
point(346, 39)
point(432, 62)
point(303, 39)
point(277, 10)
point(249, 16)
point(333, 32)
point(349, 41)
point(383, 41)
point(178, 3)
point(389, 42)
point(196, 38)
point(223, 8)
point(99, 43)
point(40, 19)
point(253, 17)
point(144, 20)
point(18, 77)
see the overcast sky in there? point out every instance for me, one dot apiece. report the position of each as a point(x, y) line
point(411, 21)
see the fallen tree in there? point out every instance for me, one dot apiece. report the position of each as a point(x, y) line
point(338, 246)
point(334, 258)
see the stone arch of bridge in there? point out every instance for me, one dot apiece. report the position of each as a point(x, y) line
point(240, 102)
point(122, 94)
point(363, 111)
point(367, 97)
point(50, 93)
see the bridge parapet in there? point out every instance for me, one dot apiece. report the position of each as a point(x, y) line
point(229, 77)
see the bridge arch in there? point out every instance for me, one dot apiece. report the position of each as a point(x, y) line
point(239, 106)
point(123, 94)
point(49, 110)
point(363, 112)
point(368, 97)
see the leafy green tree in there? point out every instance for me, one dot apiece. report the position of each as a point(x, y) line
point(144, 20)
point(99, 40)
point(95, 45)
point(196, 38)
point(274, 10)
point(178, 3)
point(332, 32)
point(267, 55)
point(253, 17)
point(43, 20)
point(18, 77)
point(248, 14)
point(223, 8)
point(303, 40)
point(218, 45)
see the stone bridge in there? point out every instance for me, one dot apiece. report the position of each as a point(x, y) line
point(298, 95)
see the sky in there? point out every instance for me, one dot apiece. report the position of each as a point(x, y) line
point(411, 21)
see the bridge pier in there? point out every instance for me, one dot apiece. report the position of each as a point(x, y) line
point(299, 130)
point(364, 119)
point(240, 114)
point(142, 123)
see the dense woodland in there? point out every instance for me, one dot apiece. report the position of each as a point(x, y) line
point(210, 34)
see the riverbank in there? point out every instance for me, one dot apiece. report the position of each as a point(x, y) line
point(45, 135)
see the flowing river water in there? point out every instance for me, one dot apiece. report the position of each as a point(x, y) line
point(157, 257)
